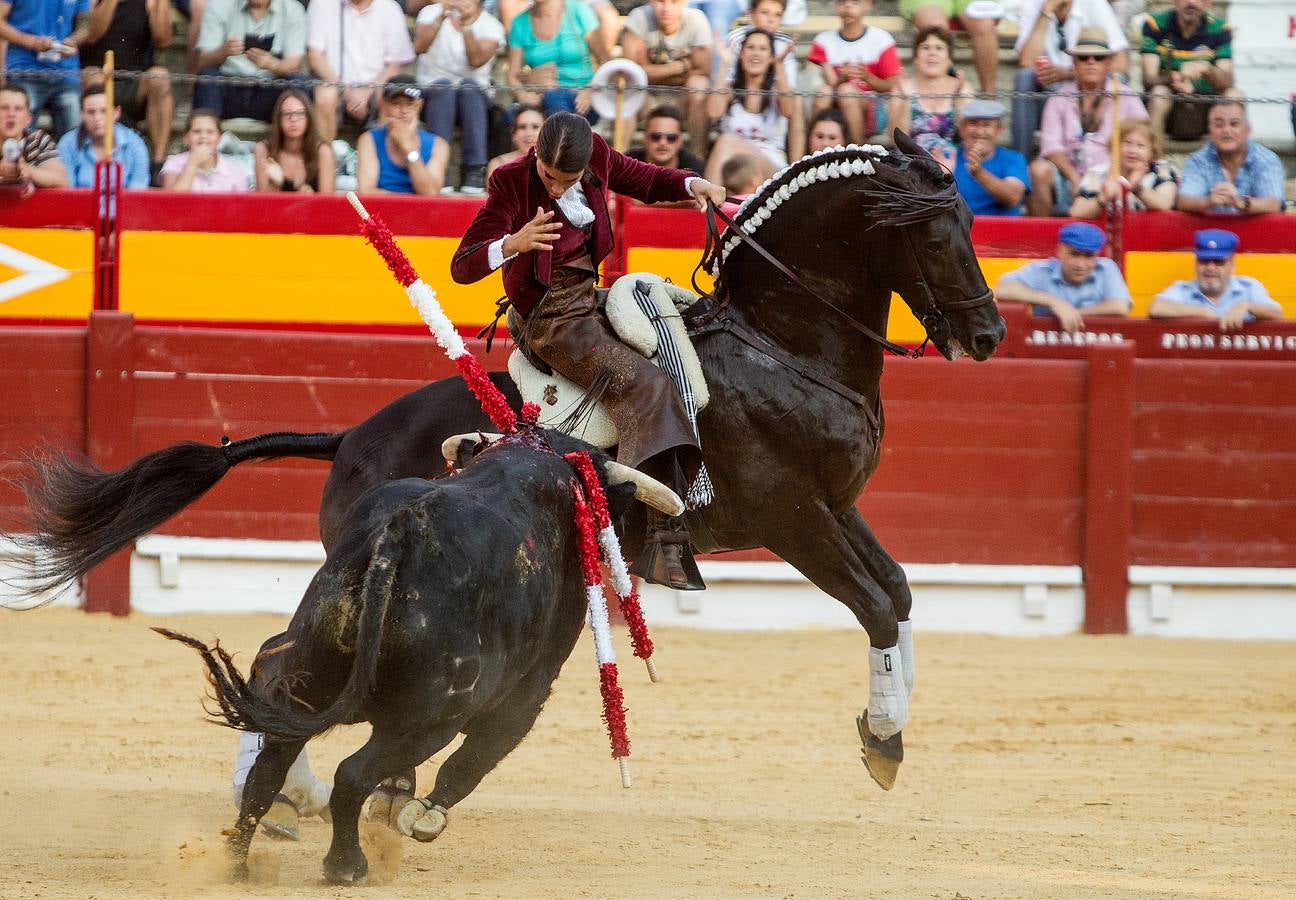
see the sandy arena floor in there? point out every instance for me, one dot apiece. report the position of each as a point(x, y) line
point(1060, 768)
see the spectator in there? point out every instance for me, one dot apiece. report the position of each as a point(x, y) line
point(527, 121)
point(294, 158)
point(399, 157)
point(83, 146)
point(43, 37)
point(769, 15)
point(859, 62)
point(664, 142)
point(673, 44)
point(981, 30)
point(193, 11)
point(202, 168)
point(357, 43)
point(457, 43)
point(1231, 173)
point(1074, 283)
point(37, 161)
point(1187, 52)
point(608, 16)
point(1047, 29)
point(741, 174)
point(752, 113)
point(1216, 293)
point(827, 129)
point(134, 30)
point(553, 49)
point(926, 107)
point(1077, 124)
point(992, 179)
point(1143, 180)
point(264, 40)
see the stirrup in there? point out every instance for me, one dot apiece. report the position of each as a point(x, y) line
point(669, 563)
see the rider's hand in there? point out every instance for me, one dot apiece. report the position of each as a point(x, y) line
point(704, 190)
point(538, 234)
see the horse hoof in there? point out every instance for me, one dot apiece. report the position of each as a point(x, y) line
point(387, 801)
point(354, 873)
point(416, 820)
point(280, 820)
point(881, 758)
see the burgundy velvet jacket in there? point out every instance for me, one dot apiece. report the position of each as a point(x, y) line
point(514, 192)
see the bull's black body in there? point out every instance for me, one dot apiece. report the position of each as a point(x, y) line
point(443, 607)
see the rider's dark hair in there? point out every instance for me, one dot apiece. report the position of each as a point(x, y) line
point(566, 142)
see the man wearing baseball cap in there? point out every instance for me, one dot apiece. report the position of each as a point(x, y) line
point(1075, 280)
point(992, 179)
point(1216, 293)
point(399, 157)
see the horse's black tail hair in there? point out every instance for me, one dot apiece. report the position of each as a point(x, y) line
point(78, 515)
point(276, 713)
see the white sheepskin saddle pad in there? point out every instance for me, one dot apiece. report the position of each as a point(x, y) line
point(558, 398)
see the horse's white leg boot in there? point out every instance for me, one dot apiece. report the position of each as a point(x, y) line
point(888, 708)
point(907, 655)
point(307, 793)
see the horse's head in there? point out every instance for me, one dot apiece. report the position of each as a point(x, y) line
point(857, 223)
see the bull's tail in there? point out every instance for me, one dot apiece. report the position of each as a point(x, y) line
point(79, 515)
point(274, 711)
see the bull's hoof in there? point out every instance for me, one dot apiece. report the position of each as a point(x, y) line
point(280, 820)
point(422, 822)
point(351, 871)
point(388, 800)
point(881, 758)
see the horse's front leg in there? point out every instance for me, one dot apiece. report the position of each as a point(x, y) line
point(891, 577)
point(820, 547)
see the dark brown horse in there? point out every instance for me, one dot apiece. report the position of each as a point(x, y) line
point(791, 436)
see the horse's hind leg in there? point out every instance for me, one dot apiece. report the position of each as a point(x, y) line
point(259, 792)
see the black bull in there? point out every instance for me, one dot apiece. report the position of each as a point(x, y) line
point(443, 607)
point(791, 436)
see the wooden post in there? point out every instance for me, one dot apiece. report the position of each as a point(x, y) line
point(110, 437)
point(1108, 525)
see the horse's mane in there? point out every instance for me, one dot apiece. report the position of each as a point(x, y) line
point(891, 204)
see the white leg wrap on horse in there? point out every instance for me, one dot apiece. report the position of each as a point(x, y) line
point(888, 708)
point(905, 643)
point(249, 748)
point(308, 793)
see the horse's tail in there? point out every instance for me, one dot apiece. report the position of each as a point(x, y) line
point(79, 515)
point(271, 709)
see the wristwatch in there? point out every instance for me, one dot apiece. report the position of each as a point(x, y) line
point(1246, 202)
point(412, 157)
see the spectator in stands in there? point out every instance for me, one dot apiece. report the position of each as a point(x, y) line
point(769, 15)
point(1187, 53)
point(1076, 131)
point(553, 49)
point(457, 43)
point(664, 142)
point(526, 128)
point(202, 168)
point(134, 30)
point(30, 155)
point(44, 37)
point(992, 179)
point(83, 146)
point(673, 44)
point(1216, 293)
point(608, 16)
point(859, 62)
point(1142, 180)
point(740, 175)
point(399, 157)
point(1046, 30)
point(360, 44)
point(926, 106)
point(1231, 173)
point(193, 11)
point(752, 113)
point(980, 21)
point(1075, 282)
point(263, 40)
point(294, 158)
point(827, 129)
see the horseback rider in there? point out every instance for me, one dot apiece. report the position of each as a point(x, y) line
point(546, 221)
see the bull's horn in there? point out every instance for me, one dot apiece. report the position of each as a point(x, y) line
point(647, 490)
point(450, 446)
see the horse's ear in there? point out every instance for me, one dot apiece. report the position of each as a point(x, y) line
point(907, 145)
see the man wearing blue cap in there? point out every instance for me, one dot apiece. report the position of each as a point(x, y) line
point(1216, 293)
point(1075, 280)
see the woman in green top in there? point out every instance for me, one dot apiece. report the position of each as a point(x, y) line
point(553, 50)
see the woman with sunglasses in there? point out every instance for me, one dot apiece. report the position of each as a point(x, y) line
point(753, 113)
point(293, 157)
point(546, 223)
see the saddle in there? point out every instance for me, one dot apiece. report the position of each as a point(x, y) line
point(559, 398)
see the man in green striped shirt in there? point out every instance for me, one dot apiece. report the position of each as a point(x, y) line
point(1187, 55)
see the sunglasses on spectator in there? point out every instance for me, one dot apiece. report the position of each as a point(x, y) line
point(293, 114)
point(1090, 57)
point(668, 137)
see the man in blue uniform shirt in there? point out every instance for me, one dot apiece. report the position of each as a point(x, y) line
point(1074, 281)
point(1216, 293)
